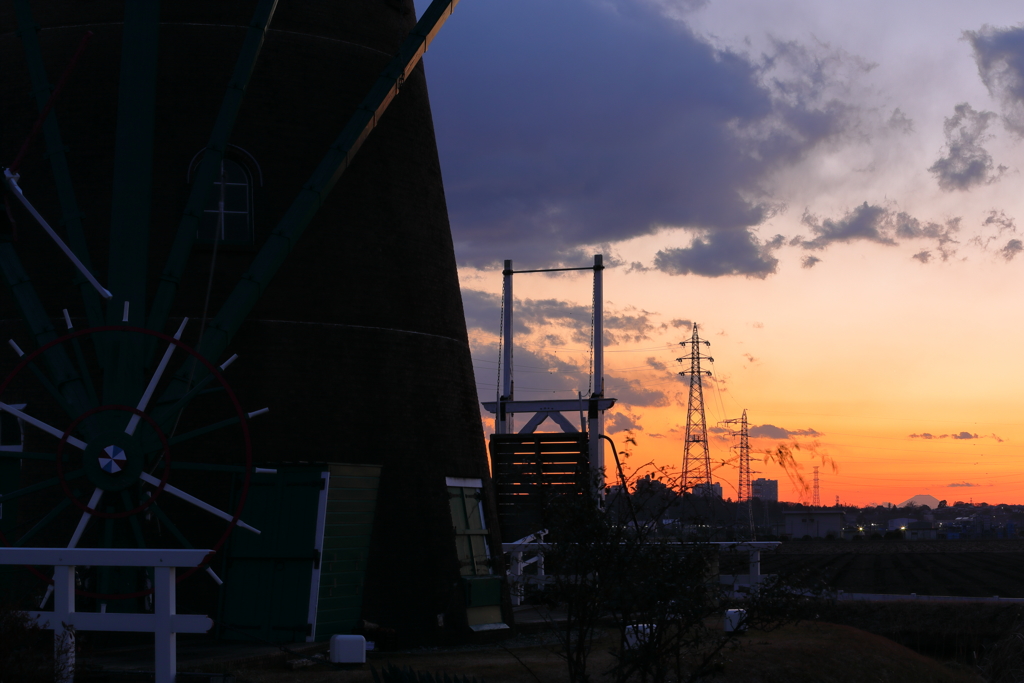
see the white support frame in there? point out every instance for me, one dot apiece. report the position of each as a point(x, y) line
point(165, 623)
point(596, 404)
point(517, 578)
point(318, 548)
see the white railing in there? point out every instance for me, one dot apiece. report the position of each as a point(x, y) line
point(165, 623)
point(534, 545)
point(753, 575)
point(517, 578)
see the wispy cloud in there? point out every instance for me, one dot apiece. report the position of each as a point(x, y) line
point(1012, 248)
point(865, 222)
point(632, 392)
point(881, 225)
point(770, 431)
point(960, 436)
point(999, 53)
point(966, 162)
point(734, 252)
point(656, 364)
point(483, 312)
point(621, 422)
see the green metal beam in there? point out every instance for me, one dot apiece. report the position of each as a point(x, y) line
point(209, 167)
point(72, 217)
point(40, 486)
point(126, 501)
point(314, 193)
point(133, 160)
point(49, 517)
point(132, 195)
point(62, 369)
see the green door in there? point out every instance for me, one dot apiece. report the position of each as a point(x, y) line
point(351, 503)
point(316, 523)
point(268, 577)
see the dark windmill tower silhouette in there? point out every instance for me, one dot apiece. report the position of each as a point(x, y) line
point(201, 163)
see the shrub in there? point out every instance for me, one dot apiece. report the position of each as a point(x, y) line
point(25, 649)
point(397, 674)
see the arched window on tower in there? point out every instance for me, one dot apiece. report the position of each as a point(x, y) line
point(235, 186)
point(228, 214)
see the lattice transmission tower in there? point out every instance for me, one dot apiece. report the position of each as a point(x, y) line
point(816, 501)
point(744, 491)
point(696, 475)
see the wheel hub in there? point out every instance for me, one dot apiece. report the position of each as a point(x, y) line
point(112, 459)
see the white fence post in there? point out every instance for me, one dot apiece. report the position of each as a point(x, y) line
point(165, 623)
point(515, 574)
point(166, 640)
point(63, 626)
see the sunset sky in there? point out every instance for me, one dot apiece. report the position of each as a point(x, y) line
point(830, 190)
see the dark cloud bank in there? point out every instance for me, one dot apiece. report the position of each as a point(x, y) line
point(999, 54)
point(586, 123)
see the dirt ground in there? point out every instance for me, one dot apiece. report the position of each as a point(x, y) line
point(805, 653)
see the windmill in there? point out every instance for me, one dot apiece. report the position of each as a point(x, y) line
point(206, 138)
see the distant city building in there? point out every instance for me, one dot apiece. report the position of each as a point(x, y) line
point(920, 531)
point(815, 523)
point(765, 489)
point(716, 489)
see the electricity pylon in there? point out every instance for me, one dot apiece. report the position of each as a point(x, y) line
point(744, 492)
point(696, 456)
point(816, 501)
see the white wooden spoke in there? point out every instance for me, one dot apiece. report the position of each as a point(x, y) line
point(213, 575)
point(39, 424)
point(46, 596)
point(178, 493)
point(17, 349)
point(148, 393)
point(94, 500)
point(12, 182)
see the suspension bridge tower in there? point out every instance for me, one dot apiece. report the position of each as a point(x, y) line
point(696, 475)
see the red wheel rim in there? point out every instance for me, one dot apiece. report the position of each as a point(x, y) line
point(236, 405)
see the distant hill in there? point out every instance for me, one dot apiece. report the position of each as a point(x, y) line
point(921, 499)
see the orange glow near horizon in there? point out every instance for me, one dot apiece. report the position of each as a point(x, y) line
point(874, 372)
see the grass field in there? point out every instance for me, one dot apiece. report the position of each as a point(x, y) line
point(805, 653)
point(943, 568)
